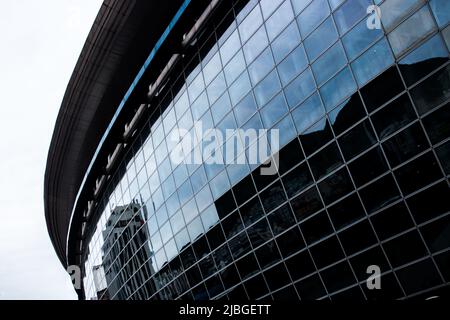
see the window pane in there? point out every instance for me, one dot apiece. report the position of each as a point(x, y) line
point(394, 11)
point(418, 173)
point(274, 111)
point(329, 63)
point(372, 62)
point(362, 172)
point(279, 20)
point(423, 60)
point(347, 114)
point(308, 113)
point(337, 89)
point(261, 66)
point(255, 45)
point(359, 38)
point(441, 10)
point(433, 91)
point(300, 88)
point(321, 39)
point(267, 88)
point(349, 13)
point(405, 145)
point(310, 18)
point(287, 41)
point(357, 140)
point(408, 33)
point(293, 65)
point(250, 24)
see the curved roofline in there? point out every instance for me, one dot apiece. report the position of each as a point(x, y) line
point(111, 57)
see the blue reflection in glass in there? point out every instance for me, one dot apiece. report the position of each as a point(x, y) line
point(279, 20)
point(359, 38)
point(288, 40)
point(321, 39)
point(245, 109)
point(274, 111)
point(250, 24)
point(299, 5)
point(308, 113)
point(239, 88)
point(261, 66)
point(349, 13)
point(375, 60)
point(311, 17)
point(300, 88)
point(441, 10)
point(234, 68)
point(255, 45)
point(267, 88)
point(295, 63)
point(329, 63)
point(337, 89)
point(405, 35)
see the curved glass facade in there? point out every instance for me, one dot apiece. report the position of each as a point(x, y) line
point(363, 174)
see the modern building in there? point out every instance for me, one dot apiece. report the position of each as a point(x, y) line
point(362, 109)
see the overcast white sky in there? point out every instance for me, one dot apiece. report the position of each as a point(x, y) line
point(40, 42)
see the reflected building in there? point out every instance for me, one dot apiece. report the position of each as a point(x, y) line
point(363, 172)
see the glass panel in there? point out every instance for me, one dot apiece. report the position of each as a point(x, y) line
point(234, 68)
point(261, 66)
point(274, 111)
point(392, 221)
point(433, 91)
point(267, 88)
point(418, 173)
point(239, 88)
point(437, 124)
point(300, 88)
point(336, 186)
point(338, 88)
point(322, 38)
point(362, 172)
point(299, 5)
point(408, 34)
point(349, 13)
point(255, 45)
point(405, 145)
point(357, 140)
point(250, 24)
point(287, 41)
point(394, 116)
point(379, 194)
point(372, 62)
point(389, 83)
point(347, 114)
point(423, 60)
point(326, 161)
point(230, 47)
point(394, 11)
point(310, 18)
point(441, 10)
point(329, 63)
point(359, 38)
point(279, 20)
point(292, 65)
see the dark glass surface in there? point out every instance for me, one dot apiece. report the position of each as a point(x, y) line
point(394, 116)
point(362, 173)
point(405, 145)
point(389, 83)
point(391, 221)
point(357, 140)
